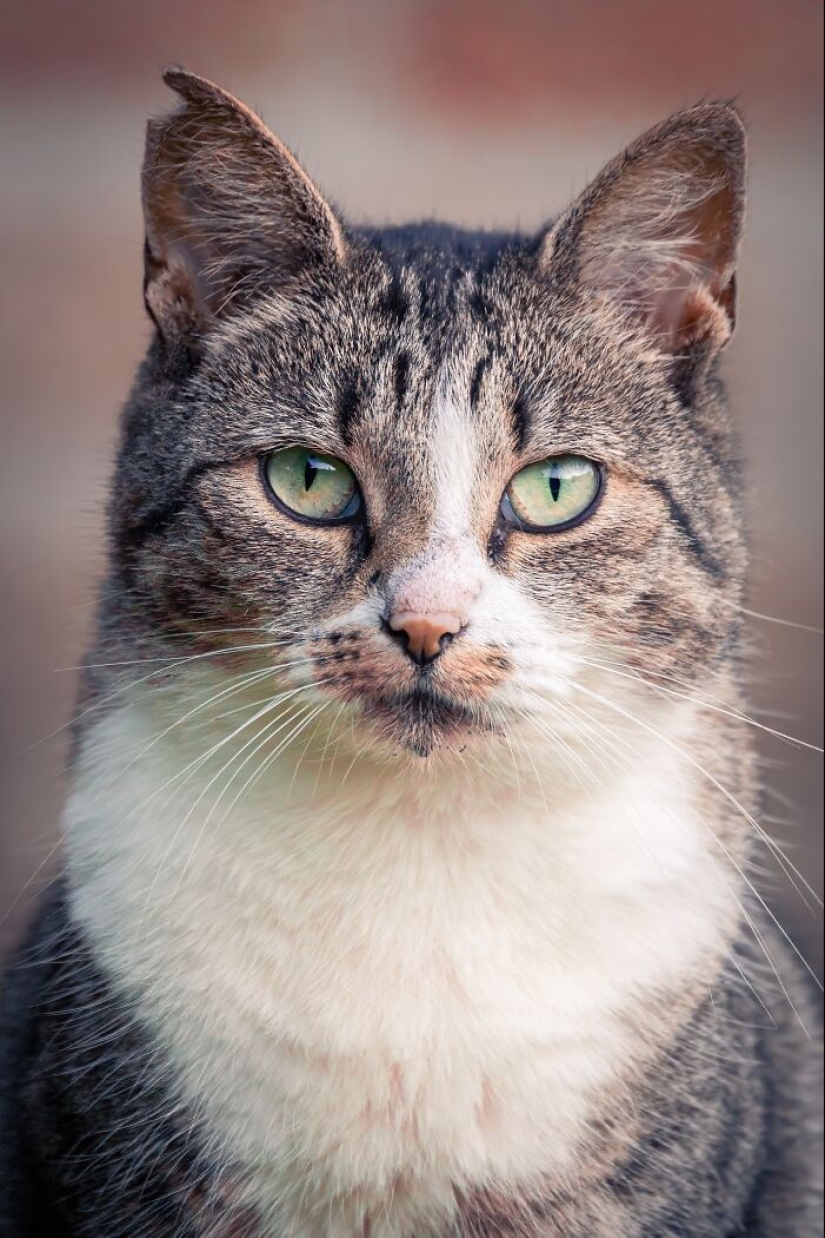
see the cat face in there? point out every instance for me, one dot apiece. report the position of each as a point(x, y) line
point(450, 483)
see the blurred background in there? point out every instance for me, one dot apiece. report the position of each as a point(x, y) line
point(491, 112)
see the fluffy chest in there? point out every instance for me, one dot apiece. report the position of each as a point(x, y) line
point(375, 991)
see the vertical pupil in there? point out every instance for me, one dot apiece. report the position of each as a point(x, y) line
point(555, 487)
point(310, 473)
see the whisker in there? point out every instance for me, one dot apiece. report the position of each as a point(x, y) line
point(758, 614)
point(205, 790)
point(758, 937)
point(592, 728)
point(99, 704)
point(617, 744)
point(272, 756)
point(736, 714)
point(788, 867)
point(267, 737)
point(791, 871)
point(333, 728)
point(29, 883)
point(732, 799)
point(178, 659)
point(235, 686)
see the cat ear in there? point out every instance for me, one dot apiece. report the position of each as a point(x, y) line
point(228, 210)
point(657, 233)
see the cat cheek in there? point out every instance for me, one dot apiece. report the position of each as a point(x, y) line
point(348, 665)
point(351, 666)
point(471, 673)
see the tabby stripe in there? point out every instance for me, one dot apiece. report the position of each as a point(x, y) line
point(348, 407)
point(477, 380)
point(158, 519)
point(397, 302)
point(401, 377)
point(424, 302)
point(706, 560)
point(520, 415)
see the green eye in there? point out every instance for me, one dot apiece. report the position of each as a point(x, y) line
point(552, 494)
point(312, 485)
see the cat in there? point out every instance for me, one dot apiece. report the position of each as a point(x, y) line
point(408, 846)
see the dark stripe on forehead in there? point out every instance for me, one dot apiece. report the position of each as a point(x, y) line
point(477, 380)
point(679, 517)
point(347, 407)
point(396, 302)
point(520, 416)
point(400, 376)
point(423, 301)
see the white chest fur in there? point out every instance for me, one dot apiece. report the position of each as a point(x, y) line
point(374, 988)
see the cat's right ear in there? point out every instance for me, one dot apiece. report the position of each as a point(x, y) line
point(229, 212)
point(657, 233)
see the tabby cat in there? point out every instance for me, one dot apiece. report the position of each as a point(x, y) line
point(412, 813)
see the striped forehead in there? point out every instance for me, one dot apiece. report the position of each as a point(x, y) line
point(447, 456)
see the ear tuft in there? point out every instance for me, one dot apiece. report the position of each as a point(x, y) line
point(229, 212)
point(191, 87)
point(658, 231)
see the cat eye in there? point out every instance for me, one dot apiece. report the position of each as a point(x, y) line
point(312, 486)
point(552, 494)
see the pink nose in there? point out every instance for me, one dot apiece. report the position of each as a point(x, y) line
point(425, 636)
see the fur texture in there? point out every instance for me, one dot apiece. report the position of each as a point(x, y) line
point(352, 946)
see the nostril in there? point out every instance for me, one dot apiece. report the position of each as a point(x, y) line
point(445, 640)
point(425, 636)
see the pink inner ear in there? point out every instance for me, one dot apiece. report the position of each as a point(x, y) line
point(658, 231)
point(669, 316)
point(679, 316)
point(672, 274)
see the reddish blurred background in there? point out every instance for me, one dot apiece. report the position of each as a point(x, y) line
point(488, 111)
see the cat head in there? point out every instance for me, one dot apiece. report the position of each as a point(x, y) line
point(439, 480)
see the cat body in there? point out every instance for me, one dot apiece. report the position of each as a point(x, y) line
point(409, 840)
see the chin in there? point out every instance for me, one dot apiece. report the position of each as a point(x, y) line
point(425, 724)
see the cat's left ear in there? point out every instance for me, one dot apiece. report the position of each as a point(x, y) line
point(658, 232)
point(229, 212)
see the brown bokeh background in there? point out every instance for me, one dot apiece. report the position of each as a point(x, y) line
point(493, 112)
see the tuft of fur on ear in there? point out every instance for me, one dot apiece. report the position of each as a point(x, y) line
point(229, 212)
point(658, 232)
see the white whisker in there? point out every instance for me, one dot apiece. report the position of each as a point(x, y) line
point(732, 799)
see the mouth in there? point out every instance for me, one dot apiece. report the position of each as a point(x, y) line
point(422, 720)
